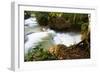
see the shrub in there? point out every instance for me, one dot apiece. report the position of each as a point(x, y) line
point(38, 54)
point(42, 18)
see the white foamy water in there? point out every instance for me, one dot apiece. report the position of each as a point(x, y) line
point(67, 39)
point(31, 22)
point(47, 38)
point(35, 39)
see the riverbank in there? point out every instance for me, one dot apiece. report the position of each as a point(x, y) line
point(68, 39)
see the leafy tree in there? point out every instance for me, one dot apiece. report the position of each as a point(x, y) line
point(42, 18)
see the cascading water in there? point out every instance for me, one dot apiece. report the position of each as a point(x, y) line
point(34, 35)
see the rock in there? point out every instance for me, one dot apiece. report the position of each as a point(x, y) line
point(58, 51)
point(64, 52)
point(58, 23)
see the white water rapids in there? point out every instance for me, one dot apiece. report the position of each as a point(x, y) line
point(34, 36)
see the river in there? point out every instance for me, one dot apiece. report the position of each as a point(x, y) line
point(34, 36)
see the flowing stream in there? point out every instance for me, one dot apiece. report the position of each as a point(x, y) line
point(34, 36)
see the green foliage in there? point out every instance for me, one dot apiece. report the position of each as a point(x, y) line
point(74, 20)
point(85, 30)
point(42, 18)
point(55, 14)
point(84, 27)
point(38, 54)
point(79, 20)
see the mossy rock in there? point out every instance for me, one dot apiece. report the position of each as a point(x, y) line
point(58, 23)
